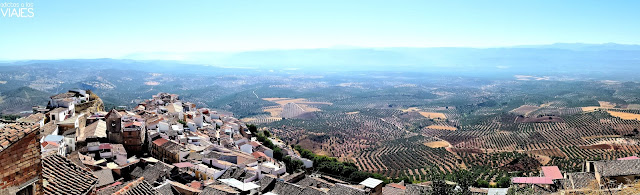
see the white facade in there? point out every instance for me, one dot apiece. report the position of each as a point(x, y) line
point(192, 126)
point(163, 127)
point(70, 142)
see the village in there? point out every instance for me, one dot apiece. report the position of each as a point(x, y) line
point(162, 146)
point(167, 146)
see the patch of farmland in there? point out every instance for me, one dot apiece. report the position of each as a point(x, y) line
point(633, 106)
point(624, 115)
point(437, 144)
point(433, 115)
point(605, 104)
point(524, 109)
point(442, 127)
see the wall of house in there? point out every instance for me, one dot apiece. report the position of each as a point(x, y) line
point(160, 153)
point(20, 165)
point(70, 143)
point(133, 141)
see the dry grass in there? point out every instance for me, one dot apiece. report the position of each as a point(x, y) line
point(437, 144)
point(544, 160)
point(275, 112)
point(433, 115)
point(410, 109)
point(604, 104)
point(442, 127)
point(590, 108)
point(525, 109)
point(633, 107)
point(624, 115)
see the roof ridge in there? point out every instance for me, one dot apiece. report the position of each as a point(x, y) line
point(129, 186)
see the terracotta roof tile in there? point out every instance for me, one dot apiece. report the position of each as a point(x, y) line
point(11, 133)
point(160, 141)
point(64, 177)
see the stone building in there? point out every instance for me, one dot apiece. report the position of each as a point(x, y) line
point(20, 163)
point(618, 171)
point(133, 135)
point(114, 126)
point(166, 150)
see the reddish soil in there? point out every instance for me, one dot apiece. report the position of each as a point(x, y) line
point(522, 164)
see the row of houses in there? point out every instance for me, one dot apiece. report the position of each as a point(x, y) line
point(597, 175)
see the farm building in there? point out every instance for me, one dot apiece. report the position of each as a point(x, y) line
point(620, 171)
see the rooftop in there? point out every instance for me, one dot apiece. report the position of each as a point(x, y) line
point(59, 110)
point(97, 129)
point(532, 180)
point(219, 189)
point(34, 118)
point(63, 95)
point(552, 172)
point(629, 158)
point(371, 182)
point(239, 185)
point(12, 133)
point(53, 138)
point(61, 176)
point(618, 167)
point(105, 177)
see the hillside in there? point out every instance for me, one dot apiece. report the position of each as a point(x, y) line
point(22, 99)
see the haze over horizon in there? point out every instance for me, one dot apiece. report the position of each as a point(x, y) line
point(116, 29)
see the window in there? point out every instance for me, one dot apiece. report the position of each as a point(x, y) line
point(26, 191)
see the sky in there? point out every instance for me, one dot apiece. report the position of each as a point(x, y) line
point(113, 29)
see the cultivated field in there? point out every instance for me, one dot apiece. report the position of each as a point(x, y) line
point(437, 144)
point(624, 115)
point(433, 115)
point(298, 107)
point(491, 133)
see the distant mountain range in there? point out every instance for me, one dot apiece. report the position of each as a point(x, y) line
point(542, 59)
point(570, 60)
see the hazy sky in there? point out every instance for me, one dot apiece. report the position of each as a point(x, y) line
point(82, 29)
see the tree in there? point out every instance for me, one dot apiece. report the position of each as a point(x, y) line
point(292, 165)
point(403, 178)
point(440, 186)
point(252, 128)
point(504, 182)
point(267, 133)
point(463, 178)
point(184, 124)
point(482, 183)
point(277, 153)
